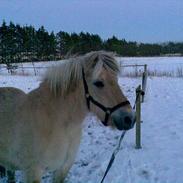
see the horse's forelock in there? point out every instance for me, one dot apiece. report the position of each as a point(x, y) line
point(107, 58)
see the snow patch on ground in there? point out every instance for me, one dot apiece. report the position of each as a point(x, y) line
point(172, 65)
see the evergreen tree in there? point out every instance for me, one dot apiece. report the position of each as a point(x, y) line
point(25, 43)
point(4, 42)
point(51, 46)
point(64, 43)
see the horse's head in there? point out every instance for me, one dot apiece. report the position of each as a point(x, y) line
point(103, 94)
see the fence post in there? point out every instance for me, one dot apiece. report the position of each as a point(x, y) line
point(34, 68)
point(138, 117)
point(144, 81)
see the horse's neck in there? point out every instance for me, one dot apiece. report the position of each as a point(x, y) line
point(70, 108)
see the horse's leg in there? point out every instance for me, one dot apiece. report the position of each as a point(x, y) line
point(33, 176)
point(62, 173)
point(59, 176)
point(2, 171)
point(11, 176)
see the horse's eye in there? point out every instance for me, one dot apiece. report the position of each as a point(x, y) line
point(99, 84)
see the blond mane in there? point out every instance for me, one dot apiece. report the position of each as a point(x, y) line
point(65, 77)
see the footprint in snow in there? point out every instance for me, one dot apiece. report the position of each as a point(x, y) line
point(144, 173)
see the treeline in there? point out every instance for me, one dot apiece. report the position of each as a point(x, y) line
point(25, 43)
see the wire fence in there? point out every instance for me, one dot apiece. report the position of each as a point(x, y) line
point(34, 66)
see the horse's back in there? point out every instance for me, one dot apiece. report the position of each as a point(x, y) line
point(10, 98)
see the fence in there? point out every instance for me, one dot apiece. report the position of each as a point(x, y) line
point(140, 94)
point(20, 69)
point(144, 75)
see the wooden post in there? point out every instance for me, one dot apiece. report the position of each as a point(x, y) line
point(34, 68)
point(144, 81)
point(138, 117)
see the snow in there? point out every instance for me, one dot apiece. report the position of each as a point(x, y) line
point(164, 62)
point(154, 64)
point(161, 158)
point(161, 64)
point(25, 83)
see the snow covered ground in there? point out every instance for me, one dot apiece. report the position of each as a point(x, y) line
point(154, 64)
point(169, 65)
point(161, 158)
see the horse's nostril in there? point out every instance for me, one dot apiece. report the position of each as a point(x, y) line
point(128, 121)
point(123, 120)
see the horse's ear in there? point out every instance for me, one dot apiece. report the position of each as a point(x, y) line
point(95, 62)
point(97, 70)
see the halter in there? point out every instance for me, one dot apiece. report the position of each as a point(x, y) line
point(108, 110)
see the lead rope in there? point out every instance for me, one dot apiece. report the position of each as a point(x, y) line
point(113, 155)
point(116, 150)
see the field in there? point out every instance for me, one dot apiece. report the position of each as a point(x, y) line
point(160, 160)
point(157, 66)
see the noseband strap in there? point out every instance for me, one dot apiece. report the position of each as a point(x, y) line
point(108, 110)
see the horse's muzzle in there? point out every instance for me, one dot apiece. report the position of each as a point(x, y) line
point(123, 120)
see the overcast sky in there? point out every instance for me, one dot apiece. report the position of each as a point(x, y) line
point(136, 20)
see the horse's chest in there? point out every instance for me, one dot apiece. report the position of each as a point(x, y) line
point(63, 148)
